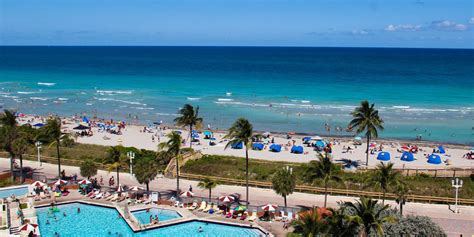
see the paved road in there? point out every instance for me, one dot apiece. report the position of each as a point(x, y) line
point(453, 224)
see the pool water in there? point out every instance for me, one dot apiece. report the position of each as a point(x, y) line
point(103, 221)
point(17, 191)
point(163, 215)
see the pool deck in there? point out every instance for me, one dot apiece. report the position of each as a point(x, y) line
point(125, 210)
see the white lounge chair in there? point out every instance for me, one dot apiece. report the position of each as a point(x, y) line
point(253, 217)
point(203, 206)
point(154, 197)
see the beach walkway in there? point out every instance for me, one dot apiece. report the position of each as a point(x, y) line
point(453, 224)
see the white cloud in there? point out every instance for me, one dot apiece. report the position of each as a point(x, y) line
point(406, 27)
point(360, 32)
point(448, 26)
point(471, 21)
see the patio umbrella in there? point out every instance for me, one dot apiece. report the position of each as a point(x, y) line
point(226, 199)
point(187, 194)
point(37, 184)
point(120, 188)
point(81, 127)
point(60, 182)
point(29, 228)
point(84, 182)
point(270, 207)
point(136, 188)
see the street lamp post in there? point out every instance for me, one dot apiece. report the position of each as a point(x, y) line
point(457, 184)
point(131, 156)
point(38, 146)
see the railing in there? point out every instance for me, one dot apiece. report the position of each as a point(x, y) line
point(333, 191)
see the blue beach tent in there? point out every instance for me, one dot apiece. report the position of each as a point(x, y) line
point(238, 145)
point(441, 150)
point(275, 148)
point(306, 140)
point(383, 156)
point(297, 150)
point(320, 144)
point(85, 119)
point(434, 159)
point(407, 156)
point(207, 134)
point(257, 146)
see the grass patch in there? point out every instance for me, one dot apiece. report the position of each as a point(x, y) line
point(260, 170)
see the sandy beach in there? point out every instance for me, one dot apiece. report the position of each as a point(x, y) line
point(133, 135)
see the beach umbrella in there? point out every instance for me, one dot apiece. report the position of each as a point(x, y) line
point(226, 199)
point(407, 156)
point(135, 188)
point(187, 194)
point(60, 182)
point(29, 228)
point(383, 156)
point(37, 184)
point(120, 188)
point(270, 207)
point(81, 127)
point(84, 182)
point(434, 159)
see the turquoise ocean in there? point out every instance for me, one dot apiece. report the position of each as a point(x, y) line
point(427, 92)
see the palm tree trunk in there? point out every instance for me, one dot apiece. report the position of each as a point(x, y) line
point(367, 152)
point(210, 190)
point(247, 174)
point(190, 136)
point(177, 174)
point(325, 194)
point(284, 198)
point(401, 208)
point(147, 186)
point(383, 197)
point(118, 177)
point(21, 169)
point(59, 158)
point(12, 158)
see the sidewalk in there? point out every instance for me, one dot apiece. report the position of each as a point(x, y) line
point(453, 224)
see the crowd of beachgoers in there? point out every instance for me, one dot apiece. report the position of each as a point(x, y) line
point(289, 147)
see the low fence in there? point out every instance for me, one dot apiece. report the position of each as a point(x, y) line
point(333, 191)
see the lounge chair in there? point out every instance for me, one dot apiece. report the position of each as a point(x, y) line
point(42, 195)
point(194, 206)
point(253, 217)
point(147, 201)
point(203, 206)
point(289, 218)
point(244, 216)
point(121, 198)
point(99, 196)
point(154, 197)
point(115, 197)
point(229, 214)
point(176, 204)
point(280, 217)
point(208, 207)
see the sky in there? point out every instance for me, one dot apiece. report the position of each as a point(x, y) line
point(319, 23)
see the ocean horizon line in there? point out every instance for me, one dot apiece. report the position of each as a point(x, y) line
point(243, 46)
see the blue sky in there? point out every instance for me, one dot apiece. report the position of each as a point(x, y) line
point(349, 23)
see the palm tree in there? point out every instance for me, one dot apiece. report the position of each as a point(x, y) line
point(145, 170)
point(173, 148)
point(209, 184)
point(52, 132)
point(241, 132)
point(8, 134)
point(189, 117)
point(284, 182)
point(115, 160)
point(384, 176)
point(323, 169)
point(366, 118)
point(339, 226)
point(310, 223)
point(20, 146)
point(369, 215)
point(401, 191)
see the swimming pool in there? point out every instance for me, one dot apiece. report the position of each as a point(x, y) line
point(163, 215)
point(102, 221)
point(17, 191)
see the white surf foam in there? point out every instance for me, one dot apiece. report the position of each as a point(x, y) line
point(114, 92)
point(46, 83)
point(193, 98)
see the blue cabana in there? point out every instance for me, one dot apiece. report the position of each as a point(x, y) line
point(38, 125)
point(238, 145)
point(441, 150)
point(297, 150)
point(207, 134)
point(320, 144)
point(275, 148)
point(434, 159)
point(257, 146)
point(407, 156)
point(383, 156)
point(85, 119)
point(306, 140)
